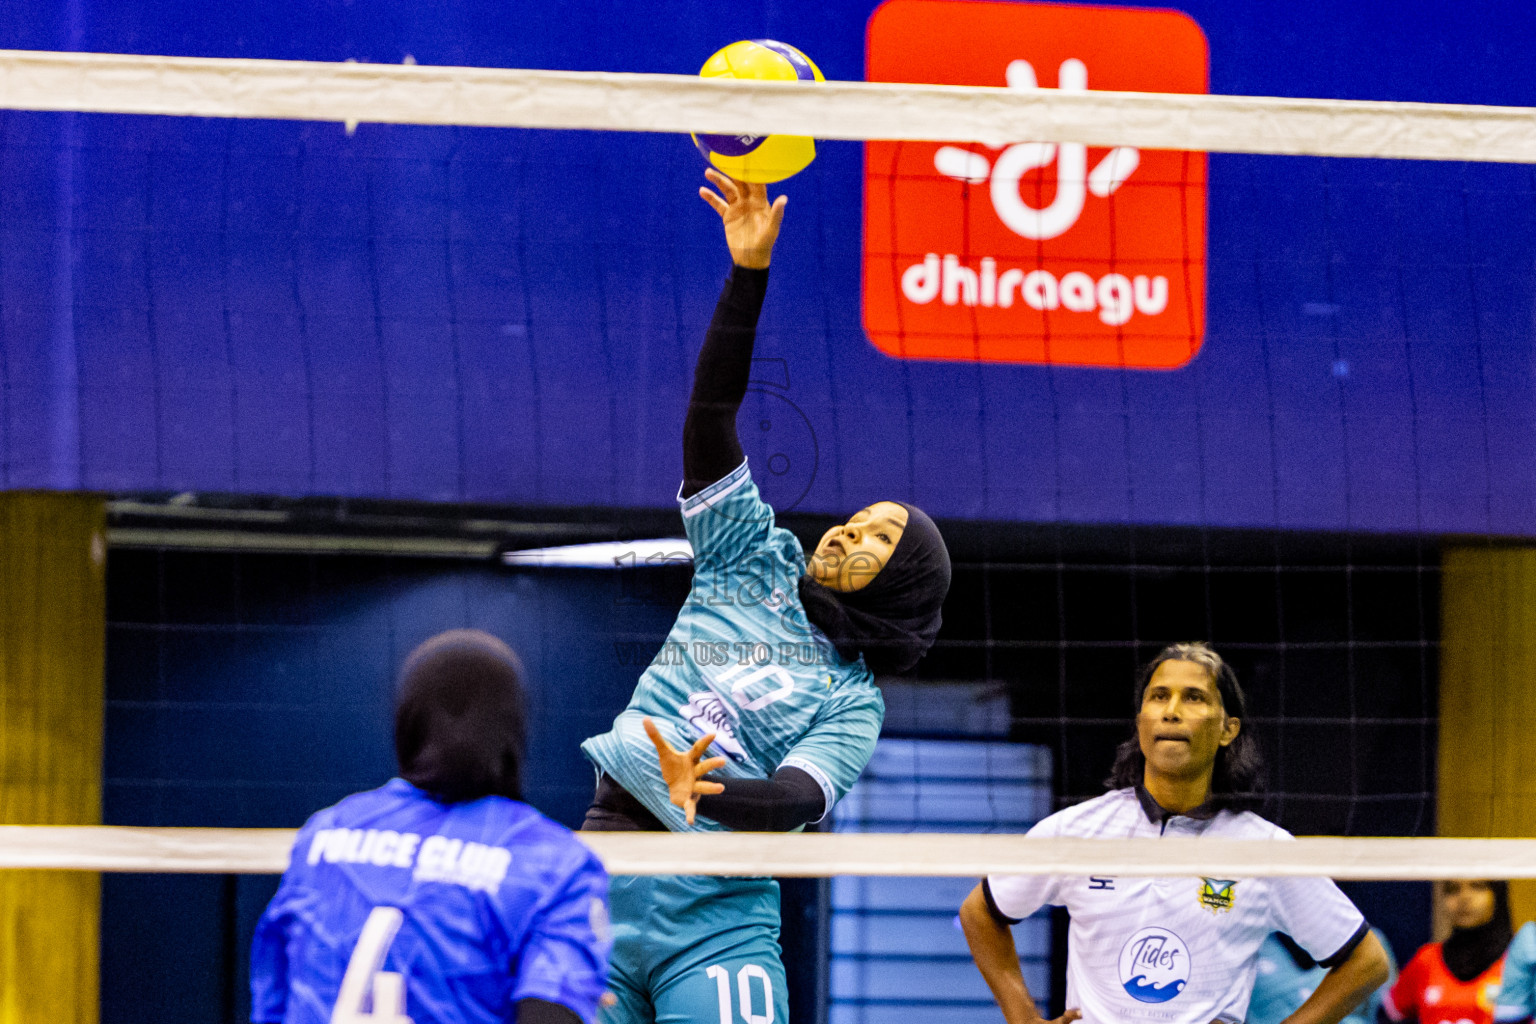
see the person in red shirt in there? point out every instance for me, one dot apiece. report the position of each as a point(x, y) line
point(1457, 981)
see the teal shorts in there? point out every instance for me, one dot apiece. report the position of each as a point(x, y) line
point(695, 950)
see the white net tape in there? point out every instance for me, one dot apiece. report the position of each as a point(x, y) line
point(265, 851)
point(409, 94)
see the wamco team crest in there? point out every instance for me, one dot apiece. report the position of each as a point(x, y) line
point(1217, 894)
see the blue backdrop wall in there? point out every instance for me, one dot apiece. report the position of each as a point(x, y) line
point(508, 316)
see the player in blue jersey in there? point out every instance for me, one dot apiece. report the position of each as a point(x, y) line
point(1517, 994)
point(1287, 976)
point(765, 684)
point(439, 898)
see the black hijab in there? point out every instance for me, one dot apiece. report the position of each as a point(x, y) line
point(460, 717)
point(894, 620)
point(1471, 951)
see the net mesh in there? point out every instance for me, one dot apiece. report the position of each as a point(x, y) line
point(894, 949)
point(1334, 638)
point(383, 311)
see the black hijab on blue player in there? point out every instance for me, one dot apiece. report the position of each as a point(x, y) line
point(895, 618)
point(461, 717)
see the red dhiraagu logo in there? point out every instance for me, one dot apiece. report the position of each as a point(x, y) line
point(1035, 252)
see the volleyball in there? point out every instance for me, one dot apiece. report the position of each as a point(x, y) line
point(759, 158)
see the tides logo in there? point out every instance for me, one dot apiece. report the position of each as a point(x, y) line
point(1035, 252)
point(1154, 965)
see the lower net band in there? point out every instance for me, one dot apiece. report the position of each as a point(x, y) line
point(267, 851)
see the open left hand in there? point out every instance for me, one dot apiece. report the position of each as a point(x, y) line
point(751, 222)
point(684, 771)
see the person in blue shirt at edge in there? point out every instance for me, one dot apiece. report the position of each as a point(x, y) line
point(1288, 975)
point(1517, 993)
point(769, 670)
point(440, 897)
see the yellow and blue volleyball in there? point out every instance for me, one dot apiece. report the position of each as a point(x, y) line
point(759, 158)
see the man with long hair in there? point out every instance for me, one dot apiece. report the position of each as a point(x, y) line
point(1175, 950)
point(440, 897)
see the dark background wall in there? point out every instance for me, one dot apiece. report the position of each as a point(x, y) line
point(1334, 637)
point(252, 689)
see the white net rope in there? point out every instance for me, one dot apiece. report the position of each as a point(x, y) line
point(491, 97)
point(813, 855)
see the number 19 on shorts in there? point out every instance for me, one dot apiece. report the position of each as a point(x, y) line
point(745, 992)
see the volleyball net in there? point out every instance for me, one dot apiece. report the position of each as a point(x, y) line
point(809, 855)
point(237, 267)
point(354, 93)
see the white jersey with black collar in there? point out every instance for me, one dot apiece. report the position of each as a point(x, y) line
point(1177, 950)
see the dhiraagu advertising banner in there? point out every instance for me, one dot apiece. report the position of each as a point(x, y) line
point(1034, 252)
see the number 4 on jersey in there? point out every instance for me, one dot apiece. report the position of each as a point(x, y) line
point(363, 974)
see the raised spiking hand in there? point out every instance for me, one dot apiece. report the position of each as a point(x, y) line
point(751, 222)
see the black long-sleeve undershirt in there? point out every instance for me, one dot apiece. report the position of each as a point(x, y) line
point(542, 1011)
point(780, 804)
point(711, 448)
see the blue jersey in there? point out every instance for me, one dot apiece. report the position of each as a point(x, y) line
point(1517, 992)
point(467, 907)
point(1280, 986)
point(743, 662)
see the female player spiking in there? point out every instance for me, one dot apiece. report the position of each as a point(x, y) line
point(769, 670)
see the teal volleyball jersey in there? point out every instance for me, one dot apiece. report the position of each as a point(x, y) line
point(743, 662)
point(1517, 994)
